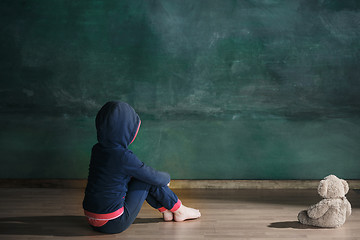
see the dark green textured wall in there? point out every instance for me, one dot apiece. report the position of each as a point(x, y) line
point(225, 89)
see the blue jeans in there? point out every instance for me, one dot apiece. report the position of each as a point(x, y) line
point(138, 192)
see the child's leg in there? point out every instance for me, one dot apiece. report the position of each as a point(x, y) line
point(167, 215)
point(135, 197)
point(170, 204)
point(163, 198)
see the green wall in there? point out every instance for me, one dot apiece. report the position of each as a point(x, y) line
point(225, 89)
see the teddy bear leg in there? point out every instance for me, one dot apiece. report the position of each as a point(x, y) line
point(304, 218)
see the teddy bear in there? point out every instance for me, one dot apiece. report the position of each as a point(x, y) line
point(331, 212)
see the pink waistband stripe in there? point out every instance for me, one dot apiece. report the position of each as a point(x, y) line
point(105, 216)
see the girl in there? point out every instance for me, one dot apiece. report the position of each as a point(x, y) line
point(118, 182)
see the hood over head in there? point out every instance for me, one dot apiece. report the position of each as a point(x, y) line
point(117, 124)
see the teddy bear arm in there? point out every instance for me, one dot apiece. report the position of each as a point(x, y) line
point(348, 208)
point(318, 210)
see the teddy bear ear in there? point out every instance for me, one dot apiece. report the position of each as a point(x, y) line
point(346, 186)
point(322, 189)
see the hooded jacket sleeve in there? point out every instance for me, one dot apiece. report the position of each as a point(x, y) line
point(134, 167)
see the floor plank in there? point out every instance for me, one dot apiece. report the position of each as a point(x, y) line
point(42, 213)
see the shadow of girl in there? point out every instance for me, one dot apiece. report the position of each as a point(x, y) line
point(54, 225)
point(46, 226)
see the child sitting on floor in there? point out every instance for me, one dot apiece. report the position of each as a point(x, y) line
point(118, 182)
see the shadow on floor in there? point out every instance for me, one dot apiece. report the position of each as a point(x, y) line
point(148, 220)
point(46, 226)
point(290, 224)
point(54, 225)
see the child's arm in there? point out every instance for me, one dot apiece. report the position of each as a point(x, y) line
point(132, 166)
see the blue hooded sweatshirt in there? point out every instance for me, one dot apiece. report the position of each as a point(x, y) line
point(112, 164)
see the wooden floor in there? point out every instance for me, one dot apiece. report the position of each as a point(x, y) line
point(226, 214)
